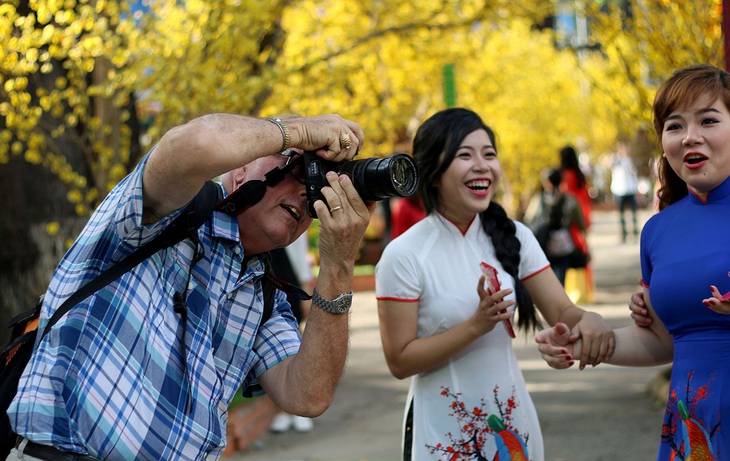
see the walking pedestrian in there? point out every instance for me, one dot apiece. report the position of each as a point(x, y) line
point(624, 186)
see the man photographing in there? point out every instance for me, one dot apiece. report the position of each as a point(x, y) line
point(124, 375)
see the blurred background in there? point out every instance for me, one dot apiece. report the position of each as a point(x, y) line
point(87, 87)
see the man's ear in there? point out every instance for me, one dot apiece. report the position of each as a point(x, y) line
point(233, 179)
point(239, 176)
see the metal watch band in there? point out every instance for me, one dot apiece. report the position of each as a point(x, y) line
point(284, 132)
point(339, 305)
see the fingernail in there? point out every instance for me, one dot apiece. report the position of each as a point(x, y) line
point(568, 357)
point(563, 351)
point(571, 363)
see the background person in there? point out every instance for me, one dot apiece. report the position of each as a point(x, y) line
point(405, 212)
point(139, 382)
point(579, 281)
point(443, 326)
point(574, 181)
point(293, 265)
point(554, 216)
point(624, 186)
point(684, 265)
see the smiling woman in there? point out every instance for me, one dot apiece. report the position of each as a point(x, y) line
point(470, 181)
point(442, 324)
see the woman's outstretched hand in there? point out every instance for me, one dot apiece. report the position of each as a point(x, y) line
point(558, 346)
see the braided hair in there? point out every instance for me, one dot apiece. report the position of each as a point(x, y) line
point(501, 230)
point(434, 148)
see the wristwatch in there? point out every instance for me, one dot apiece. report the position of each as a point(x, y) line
point(339, 305)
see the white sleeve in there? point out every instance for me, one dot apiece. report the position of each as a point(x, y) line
point(298, 253)
point(398, 273)
point(532, 258)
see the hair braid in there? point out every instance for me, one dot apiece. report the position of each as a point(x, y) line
point(502, 231)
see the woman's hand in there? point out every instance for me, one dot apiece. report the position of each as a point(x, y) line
point(558, 346)
point(492, 309)
point(638, 310)
point(719, 303)
point(598, 339)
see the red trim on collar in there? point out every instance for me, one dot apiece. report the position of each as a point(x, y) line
point(456, 225)
point(703, 200)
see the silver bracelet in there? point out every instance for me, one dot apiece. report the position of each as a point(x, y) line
point(284, 132)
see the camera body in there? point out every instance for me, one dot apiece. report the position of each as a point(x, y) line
point(374, 178)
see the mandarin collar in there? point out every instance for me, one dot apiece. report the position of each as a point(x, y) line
point(718, 194)
point(452, 227)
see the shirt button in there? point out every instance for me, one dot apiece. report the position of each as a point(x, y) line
point(237, 250)
point(230, 295)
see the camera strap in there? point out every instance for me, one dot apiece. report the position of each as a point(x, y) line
point(288, 288)
point(250, 193)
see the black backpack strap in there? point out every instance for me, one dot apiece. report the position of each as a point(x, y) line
point(271, 282)
point(190, 218)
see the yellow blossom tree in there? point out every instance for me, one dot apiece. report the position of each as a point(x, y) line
point(88, 86)
point(640, 48)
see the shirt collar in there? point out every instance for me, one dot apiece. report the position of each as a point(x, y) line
point(224, 225)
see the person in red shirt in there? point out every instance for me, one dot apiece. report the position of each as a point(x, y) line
point(405, 212)
point(574, 181)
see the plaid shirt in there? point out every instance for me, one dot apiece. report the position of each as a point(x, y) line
point(110, 380)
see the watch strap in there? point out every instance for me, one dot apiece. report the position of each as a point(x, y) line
point(340, 305)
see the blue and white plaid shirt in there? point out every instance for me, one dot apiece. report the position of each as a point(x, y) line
point(109, 379)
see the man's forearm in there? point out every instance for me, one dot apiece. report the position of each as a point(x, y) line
point(313, 373)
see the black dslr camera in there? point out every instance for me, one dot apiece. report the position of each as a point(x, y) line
point(374, 178)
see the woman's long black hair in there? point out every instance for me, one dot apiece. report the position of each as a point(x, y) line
point(434, 148)
point(569, 161)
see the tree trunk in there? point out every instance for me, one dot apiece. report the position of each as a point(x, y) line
point(30, 197)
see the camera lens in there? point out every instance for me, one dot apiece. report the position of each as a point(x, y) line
point(403, 175)
point(379, 178)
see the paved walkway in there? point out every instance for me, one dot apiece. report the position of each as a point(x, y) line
point(598, 414)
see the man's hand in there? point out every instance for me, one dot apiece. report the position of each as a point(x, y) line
point(343, 221)
point(333, 137)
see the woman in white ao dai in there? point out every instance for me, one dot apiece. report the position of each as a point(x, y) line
point(442, 325)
